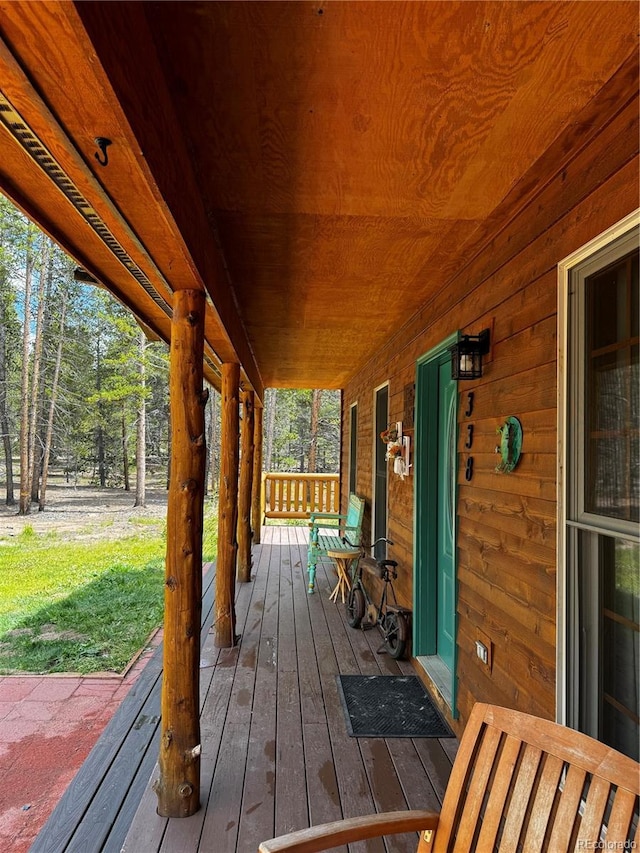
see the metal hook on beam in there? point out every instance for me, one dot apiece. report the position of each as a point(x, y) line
point(103, 143)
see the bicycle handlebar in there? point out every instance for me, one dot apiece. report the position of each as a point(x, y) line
point(347, 541)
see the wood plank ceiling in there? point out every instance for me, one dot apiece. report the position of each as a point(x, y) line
point(321, 168)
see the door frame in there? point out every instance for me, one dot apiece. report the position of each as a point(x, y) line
point(424, 517)
point(378, 388)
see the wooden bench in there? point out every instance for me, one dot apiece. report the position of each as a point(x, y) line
point(518, 783)
point(328, 531)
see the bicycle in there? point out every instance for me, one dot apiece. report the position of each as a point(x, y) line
point(391, 619)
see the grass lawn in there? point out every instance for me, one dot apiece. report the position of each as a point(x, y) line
point(80, 606)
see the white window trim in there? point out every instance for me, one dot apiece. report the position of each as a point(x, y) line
point(564, 270)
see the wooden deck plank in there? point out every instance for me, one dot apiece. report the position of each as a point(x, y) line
point(393, 767)
point(258, 801)
point(386, 789)
point(291, 805)
point(324, 802)
point(222, 818)
point(215, 695)
point(353, 786)
point(356, 657)
point(148, 766)
point(422, 765)
point(150, 834)
point(276, 752)
point(320, 776)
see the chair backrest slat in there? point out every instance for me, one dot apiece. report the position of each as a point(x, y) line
point(355, 511)
point(453, 803)
point(519, 800)
point(594, 809)
point(498, 794)
point(565, 819)
point(620, 819)
point(542, 808)
point(484, 766)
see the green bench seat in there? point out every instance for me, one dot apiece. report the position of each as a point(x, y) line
point(328, 531)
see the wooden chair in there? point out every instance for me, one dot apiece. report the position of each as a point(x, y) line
point(518, 783)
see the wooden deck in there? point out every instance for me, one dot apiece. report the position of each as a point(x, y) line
point(276, 755)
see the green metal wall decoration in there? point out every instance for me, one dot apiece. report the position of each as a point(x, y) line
point(510, 446)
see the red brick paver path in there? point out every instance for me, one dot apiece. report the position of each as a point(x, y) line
point(48, 725)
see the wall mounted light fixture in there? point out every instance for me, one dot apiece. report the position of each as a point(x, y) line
point(466, 355)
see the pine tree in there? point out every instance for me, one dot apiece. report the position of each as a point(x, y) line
point(25, 459)
point(11, 225)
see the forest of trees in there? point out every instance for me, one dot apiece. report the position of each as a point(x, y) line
point(83, 392)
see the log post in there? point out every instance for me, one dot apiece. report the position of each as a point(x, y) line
point(244, 495)
point(225, 621)
point(256, 483)
point(178, 787)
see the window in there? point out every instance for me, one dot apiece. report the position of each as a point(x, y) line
point(611, 391)
point(353, 448)
point(603, 496)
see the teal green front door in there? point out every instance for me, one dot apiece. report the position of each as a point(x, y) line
point(435, 511)
point(445, 486)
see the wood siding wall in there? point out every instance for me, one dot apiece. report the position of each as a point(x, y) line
point(506, 536)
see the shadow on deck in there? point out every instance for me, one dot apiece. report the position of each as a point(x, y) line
point(276, 755)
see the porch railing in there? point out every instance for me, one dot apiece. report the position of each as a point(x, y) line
point(298, 495)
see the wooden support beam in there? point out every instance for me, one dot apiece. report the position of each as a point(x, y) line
point(225, 622)
point(246, 479)
point(178, 787)
point(256, 485)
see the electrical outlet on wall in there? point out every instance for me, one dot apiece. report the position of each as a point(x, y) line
point(484, 649)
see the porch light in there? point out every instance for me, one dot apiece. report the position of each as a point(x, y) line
point(466, 355)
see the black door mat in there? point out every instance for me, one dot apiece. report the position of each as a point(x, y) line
point(389, 706)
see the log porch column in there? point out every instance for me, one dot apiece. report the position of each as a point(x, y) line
point(246, 477)
point(225, 621)
point(178, 787)
point(256, 485)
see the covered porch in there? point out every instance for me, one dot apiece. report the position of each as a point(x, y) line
point(276, 754)
point(319, 196)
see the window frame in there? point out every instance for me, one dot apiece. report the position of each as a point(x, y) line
point(353, 447)
point(611, 243)
point(577, 515)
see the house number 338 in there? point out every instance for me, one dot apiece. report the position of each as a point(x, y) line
point(468, 474)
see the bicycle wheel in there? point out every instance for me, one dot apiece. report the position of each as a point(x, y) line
point(395, 635)
point(355, 607)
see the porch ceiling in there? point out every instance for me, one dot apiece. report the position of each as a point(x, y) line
point(322, 169)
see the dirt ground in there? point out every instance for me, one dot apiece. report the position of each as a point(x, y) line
point(86, 512)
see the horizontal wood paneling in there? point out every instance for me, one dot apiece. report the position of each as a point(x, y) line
point(506, 527)
point(529, 518)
